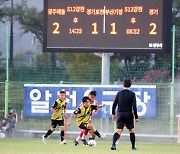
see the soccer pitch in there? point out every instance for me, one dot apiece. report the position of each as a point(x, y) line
point(34, 146)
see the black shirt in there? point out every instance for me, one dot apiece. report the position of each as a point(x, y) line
point(126, 101)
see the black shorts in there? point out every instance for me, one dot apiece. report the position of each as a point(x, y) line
point(84, 125)
point(125, 119)
point(54, 123)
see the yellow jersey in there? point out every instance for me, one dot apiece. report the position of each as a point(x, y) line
point(84, 114)
point(59, 106)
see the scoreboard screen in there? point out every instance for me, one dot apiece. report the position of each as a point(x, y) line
point(107, 25)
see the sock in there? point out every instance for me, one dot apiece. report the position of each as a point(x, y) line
point(48, 133)
point(81, 134)
point(116, 136)
point(85, 132)
point(97, 133)
point(62, 135)
point(77, 139)
point(132, 139)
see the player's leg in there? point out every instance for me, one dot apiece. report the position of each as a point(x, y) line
point(76, 141)
point(49, 132)
point(61, 129)
point(132, 139)
point(117, 142)
point(116, 136)
point(119, 129)
point(84, 133)
point(93, 130)
point(80, 135)
point(83, 126)
point(130, 126)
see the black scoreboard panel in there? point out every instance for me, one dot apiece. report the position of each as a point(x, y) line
point(107, 25)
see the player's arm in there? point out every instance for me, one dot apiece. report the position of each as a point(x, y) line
point(100, 106)
point(72, 115)
point(16, 116)
point(65, 116)
point(134, 108)
point(114, 107)
point(95, 112)
point(96, 107)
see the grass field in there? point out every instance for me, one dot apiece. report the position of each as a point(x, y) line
point(34, 146)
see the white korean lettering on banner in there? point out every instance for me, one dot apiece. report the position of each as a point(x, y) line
point(39, 106)
point(71, 98)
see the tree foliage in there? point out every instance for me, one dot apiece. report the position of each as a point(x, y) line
point(31, 20)
point(82, 67)
point(3, 9)
point(176, 12)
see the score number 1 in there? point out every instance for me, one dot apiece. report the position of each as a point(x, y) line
point(113, 25)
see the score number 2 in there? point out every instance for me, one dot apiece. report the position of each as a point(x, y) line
point(56, 29)
point(153, 30)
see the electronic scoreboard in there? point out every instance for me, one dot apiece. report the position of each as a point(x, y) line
point(107, 25)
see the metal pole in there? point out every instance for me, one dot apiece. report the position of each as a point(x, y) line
point(11, 35)
point(105, 77)
point(105, 69)
point(7, 74)
point(172, 83)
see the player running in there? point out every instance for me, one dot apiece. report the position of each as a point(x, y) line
point(83, 113)
point(92, 96)
point(57, 118)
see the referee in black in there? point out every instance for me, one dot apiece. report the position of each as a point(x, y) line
point(127, 111)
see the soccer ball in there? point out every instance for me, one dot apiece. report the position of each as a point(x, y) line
point(2, 135)
point(91, 143)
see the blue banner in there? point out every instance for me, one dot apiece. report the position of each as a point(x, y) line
point(38, 98)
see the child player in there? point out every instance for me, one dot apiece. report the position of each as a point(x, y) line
point(84, 113)
point(92, 96)
point(57, 118)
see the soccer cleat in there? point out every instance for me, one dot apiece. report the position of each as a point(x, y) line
point(134, 148)
point(43, 139)
point(76, 142)
point(63, 142)
point(84, 141)
point(113, 147)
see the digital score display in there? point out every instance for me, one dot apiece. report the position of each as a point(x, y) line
point(107, 25)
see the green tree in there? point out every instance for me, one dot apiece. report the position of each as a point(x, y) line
point(176, 12)
point(133, 65)
point(82, 67)
point(3, 11)
point(30, 19)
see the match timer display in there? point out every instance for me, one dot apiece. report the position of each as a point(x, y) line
point(107, 25)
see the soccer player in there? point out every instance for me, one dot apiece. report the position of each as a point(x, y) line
point(83, 113)
point(126, 101)
point(57, 118)
point(92, 96)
